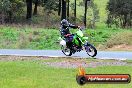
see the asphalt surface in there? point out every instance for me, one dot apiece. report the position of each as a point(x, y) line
point(122, 55)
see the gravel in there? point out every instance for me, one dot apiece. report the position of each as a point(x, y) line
point(68, 62)
point(76, 64)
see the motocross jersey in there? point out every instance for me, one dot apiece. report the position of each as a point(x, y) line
point(64, 30)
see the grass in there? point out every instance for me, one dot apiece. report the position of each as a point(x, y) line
point(104, 37)
point(32, 74)
point(122, 38)
point(43, 38)
point(28, 38)
point(39, 38)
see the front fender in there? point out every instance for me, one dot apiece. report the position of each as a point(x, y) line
point(85, 38)
point(63, 42)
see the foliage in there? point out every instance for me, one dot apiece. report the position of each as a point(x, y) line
point(38, 38)
point(48, 15)
point(93, 13)
point(119, 38)
point(120, 13)
point(51, 5)
point(9, 9)
point(4, 8)
point(26, 38)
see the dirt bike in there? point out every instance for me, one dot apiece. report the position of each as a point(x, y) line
point(79, 42)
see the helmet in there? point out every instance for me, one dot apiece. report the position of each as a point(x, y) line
point(64, 22)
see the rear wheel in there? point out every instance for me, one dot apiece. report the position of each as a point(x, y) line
point(91, 50)
point(66, 50)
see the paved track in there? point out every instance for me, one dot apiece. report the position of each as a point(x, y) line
point(122, 55)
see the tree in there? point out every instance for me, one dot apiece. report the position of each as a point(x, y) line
point(63, 15)
point(68, 9)
point(59, 7)
point(10, 10)
point(35, 8)
point(120, 13)
point(85, 14)
point(93, 16)
point(93, 13)
point(50, 6)
point(29, 9)
point(75, 2)
point(4, 8)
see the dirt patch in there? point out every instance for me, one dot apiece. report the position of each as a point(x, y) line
point(22, 58)
point(92, 64)
point(67, 62)
point(122, 47)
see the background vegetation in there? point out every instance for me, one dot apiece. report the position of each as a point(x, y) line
point(49, 13)
point(39, 38)
point(41, 29)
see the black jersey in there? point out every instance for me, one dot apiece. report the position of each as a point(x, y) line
point(64, 30)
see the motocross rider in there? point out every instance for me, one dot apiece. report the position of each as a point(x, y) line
point(65, 33)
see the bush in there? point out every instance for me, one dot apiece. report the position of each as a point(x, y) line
point(120, 38)
point(9, 9)
point(120, 13)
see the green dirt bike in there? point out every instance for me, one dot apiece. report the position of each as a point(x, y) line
point(79, 42)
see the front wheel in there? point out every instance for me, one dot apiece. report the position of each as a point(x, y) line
point(66, 50)
point(91, 50)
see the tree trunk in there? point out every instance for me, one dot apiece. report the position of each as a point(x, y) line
point(68, 10)
point(75, 2)
point(35, 8)
point(85, 14)
point(125, 21)
point(29, 9)
point(130, 20)
point(59, 10)
point(2, 18)
point(63, 15)
point(10, 16)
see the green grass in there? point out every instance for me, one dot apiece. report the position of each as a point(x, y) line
point(31, 74)
point(39, 38)
point(28, 38)
point(122, 38)
point(102, 36)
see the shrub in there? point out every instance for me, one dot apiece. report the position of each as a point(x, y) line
point(120, 38)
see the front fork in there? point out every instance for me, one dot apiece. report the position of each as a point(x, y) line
point(86, 46)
